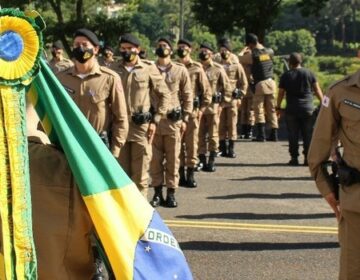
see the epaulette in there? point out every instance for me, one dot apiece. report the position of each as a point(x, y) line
point(108, 71)
point(339, 81)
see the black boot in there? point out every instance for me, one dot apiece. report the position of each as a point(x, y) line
point(243, 132)
point(231, 153)
point(273, 135)
point(294, 161)
point(182, 178)
point(191, 183)
point(260, 137)
point(249, 131)
point(202, 163)
point(170, 199)
point(222, 148)
point(158, 198)
point(210, 167)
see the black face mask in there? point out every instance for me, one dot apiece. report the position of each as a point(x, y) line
point(182, 53)
point(162, 52)
point(225, 55)
point(83, 54)
point(204, 56)
point(128, 56)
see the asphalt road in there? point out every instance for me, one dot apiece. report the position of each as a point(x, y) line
point(256, 218)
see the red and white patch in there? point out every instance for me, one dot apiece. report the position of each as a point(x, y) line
point(326, 101)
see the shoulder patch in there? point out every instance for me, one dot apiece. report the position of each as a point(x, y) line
point(326, 101)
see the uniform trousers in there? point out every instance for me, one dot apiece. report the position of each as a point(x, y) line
point(246, 111)
point(209, 133)
point(189, 144)
point(349, 232)
point(264, 109)
point(135, 160)
point(228, 120)
point(165, 162)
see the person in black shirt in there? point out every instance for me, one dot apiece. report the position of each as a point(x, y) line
point(298, 84)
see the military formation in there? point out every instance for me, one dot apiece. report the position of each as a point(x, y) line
point(164, 120)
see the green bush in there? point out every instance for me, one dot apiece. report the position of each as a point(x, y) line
point(285, 42)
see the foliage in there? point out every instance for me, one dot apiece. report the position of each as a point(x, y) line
point(285, 42)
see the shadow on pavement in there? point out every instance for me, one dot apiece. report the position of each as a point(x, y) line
point(268, 178)
point(254, 246)
point(225, 164)
point(253, 216)
point(268, 196)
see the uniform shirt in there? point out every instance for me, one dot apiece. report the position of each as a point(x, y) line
point(298, 84)
point(103, 62)
point(178, 82)
point(233, 58)
point(144, 87)
point(339, 119)
point(59, 66)
point(236, 75)
point(199, 83)
point(263, 87)
point(100, 97)
point(219, 82)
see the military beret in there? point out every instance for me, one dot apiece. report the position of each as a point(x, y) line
point(129, 38)
point(251, 38)
point(58, 45)
point(185, 42)
point(88, 34)
point(108, 48)
point(166, 40)
point(206, 45)
point(295, 58)
point(224, 42)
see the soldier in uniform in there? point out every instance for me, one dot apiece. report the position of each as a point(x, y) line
point(167, 141)
point(259, 59)
point(339, 119)
point(229, 113)
point(209, 124)
point(202, 98)
point(233, 58)
point(107, 57)
point(58, 62)
point(97, 91)
point(246, 120)
point(142, 85)
point(61, 223)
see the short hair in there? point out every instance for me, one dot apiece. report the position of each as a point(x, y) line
point(295, 58)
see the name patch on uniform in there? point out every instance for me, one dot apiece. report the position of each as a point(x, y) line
point(326, 101)
point(69, 90)
point(352, 103)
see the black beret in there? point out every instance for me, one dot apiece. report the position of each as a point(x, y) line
point(251, 38)
point(88, 34)
point(108, 48)
point(225, 42)
point(58, 45)
point(206, 45)
point(129, 38)
point(185, 42)
point(166, 40)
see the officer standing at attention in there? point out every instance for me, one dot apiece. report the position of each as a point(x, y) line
point(298, 85)
point(107, 57)
point(97, 91)
point(202, 98)
point(233, 58)
point(209, 124)
point(339, 119)
point(260, 60)
point(142, 84)
point(167, 141)
point(58, 62)
point(229, 113)
point(246, 119)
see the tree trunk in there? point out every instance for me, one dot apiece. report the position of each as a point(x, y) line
point(79, 10)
